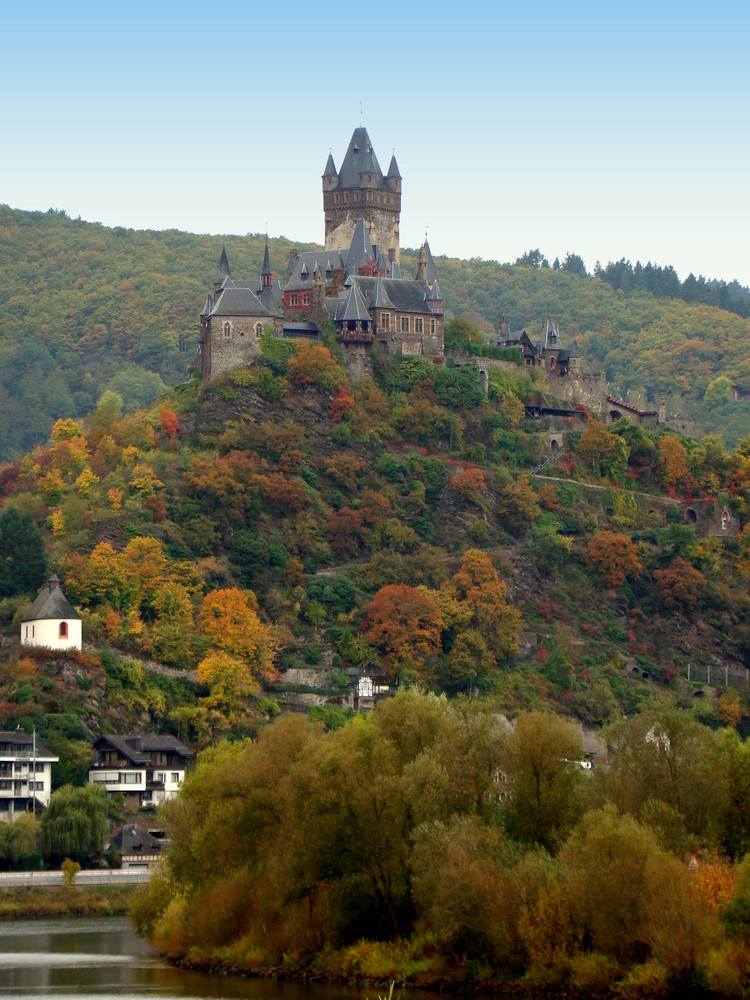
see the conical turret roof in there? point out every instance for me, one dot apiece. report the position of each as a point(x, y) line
point(330, 170)
point(266, 262)
point(360, 159)
point(353, 307)
point(393, 171)
point(379, 298)
point(360, 253)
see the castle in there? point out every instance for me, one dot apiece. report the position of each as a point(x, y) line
point(355, 283)
point(355, 287)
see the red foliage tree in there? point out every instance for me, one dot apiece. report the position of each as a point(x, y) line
point(404, 624)
point(168, 422)
point(680, 584)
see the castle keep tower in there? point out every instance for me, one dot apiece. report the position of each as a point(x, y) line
point(361, 191)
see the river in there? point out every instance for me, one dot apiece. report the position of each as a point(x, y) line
point(52, 959)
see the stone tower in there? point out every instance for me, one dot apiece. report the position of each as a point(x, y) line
point(360, 190)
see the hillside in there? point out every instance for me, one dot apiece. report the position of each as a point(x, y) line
point(86, 308)
point(279, 523)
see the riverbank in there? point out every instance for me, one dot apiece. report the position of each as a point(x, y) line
point(434, 974)
point(30, 902)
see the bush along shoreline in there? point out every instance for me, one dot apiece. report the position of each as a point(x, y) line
point(434, 844)
point(37, 902)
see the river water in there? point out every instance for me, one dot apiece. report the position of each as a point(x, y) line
point(53, 959)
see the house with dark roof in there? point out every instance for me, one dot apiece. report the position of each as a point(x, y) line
point(138, 850)
point(51, 621)
point(145, 770)
point(25, 774)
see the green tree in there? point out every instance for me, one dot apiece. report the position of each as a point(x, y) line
point(718, 392)
point(74, 824)
point(23, 563)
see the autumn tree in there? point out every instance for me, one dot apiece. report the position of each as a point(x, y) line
point(229, 620)
point(314, 365)
point(680, 584)
point(468, 485)
point(168, 422)
point(673, 463)
point(614, 556)
point(518, 507)
point(603, 452)
point(404, 623)
point(483, 596)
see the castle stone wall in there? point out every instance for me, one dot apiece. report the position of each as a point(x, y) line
point(382, 221)
point(239, 349)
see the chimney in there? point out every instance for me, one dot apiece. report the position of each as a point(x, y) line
point(53, 583)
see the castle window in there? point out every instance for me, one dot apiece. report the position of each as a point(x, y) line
point(385, 322)
point(63, 630)
point(418, 324)
point(356, 196)
point(432, 326)
point(306, 299)
point(258, 329)
point(292, 300)
point(404, 324)
point(227, 331)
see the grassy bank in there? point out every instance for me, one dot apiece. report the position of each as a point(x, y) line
point(28, 902)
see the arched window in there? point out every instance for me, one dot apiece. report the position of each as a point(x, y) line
point(227, 330)
point(63, 630)
point(258, 329)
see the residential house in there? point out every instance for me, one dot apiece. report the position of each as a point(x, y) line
point(145, 770)
point(25, 774)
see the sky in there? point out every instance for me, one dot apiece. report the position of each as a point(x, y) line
point(607, 129)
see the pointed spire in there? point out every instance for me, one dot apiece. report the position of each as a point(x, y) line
point(266, 275)
point(330, 170)
point(360, 249)
point(393, 170)
point(431, 272)
point(207, 306)
point(224, 271)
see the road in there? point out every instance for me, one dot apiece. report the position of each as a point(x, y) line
point(104, 877)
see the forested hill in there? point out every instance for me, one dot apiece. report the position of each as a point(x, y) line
point(87, 308)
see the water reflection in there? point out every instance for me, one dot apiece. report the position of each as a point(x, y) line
point(52, 959)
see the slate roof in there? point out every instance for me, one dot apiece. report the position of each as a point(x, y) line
point(51, 604)
point(330, 170)
point(434, 293)
point(133, 839)
point(406, 296)
point(379, 298)
point(431, 272)
point(207, 306)
point(353, 307)
point(272, 298)
point(550, 335)
point(360, 253)
point(238, 301)
point(310, 259)
point(20, 740)
point(136, 749)
point(266, 262)
point(360, 159)
point(393, 169)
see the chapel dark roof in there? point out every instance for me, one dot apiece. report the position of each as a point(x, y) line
point(51, 604)
point(360, 159)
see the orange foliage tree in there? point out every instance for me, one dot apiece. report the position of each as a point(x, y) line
point(229, 620)
point(404, 624)
point(478, 587)
point(468, 485)
point(680, 584)
point(168, 422)
point(314, 365)
point(341, 404)
point(614, 556)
